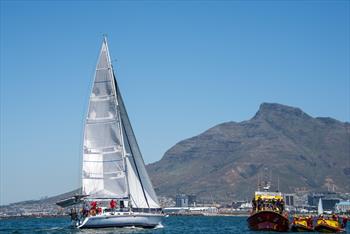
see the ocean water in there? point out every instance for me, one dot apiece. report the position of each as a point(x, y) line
point(171, 225)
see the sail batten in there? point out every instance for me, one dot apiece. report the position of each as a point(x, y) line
point(112, 161)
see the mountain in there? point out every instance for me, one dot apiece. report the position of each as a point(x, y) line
point(226, 161)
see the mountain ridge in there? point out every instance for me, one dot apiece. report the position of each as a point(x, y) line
point(235, 176)
point(235, 154)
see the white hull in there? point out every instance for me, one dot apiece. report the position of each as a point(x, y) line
point(122, 219)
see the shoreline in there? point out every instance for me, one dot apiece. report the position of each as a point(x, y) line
point(32, 216)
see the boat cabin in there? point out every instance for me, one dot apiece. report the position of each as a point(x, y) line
point(264, 200)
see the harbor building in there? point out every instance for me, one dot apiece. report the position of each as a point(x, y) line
point(329, 203)
point(192, 200)
point(329, 200)
point(313, 198)
point(184, 200)
point(181, 200)
point(343, 207)
point(289, 199)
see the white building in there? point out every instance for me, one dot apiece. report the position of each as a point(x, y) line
point(343, 206)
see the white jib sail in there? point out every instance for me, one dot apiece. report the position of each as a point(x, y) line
point(140, 186)
point(112, 163)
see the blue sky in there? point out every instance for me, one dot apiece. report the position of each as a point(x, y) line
point(182, 67)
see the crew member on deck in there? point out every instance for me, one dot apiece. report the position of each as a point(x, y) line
point(93, 204)
point(93, 209)
point(344, 221)
point(122, 206)
point(112, 204)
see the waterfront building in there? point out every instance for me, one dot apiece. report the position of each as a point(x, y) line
point(343, 207)
point(181, 200)
point(192, 200)
point(289, 199)
point(329, 200)
point(184, 200)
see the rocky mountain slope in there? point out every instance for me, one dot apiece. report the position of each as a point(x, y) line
point(225, 162)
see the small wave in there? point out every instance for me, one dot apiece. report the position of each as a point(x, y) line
point(160, 225)
point(56, 228)
point(49, 229)
point(130, 227)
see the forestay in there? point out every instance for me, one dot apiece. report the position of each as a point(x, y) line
point(112, 163)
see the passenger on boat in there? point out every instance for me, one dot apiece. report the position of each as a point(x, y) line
point(99, 210)
point(93, 209)
point(112, 204)
point(73, 214)
point(85, 209)
point(93, 204)
point(254, 204)
point(121, 205)
point(344, 221)
point(321, 217)
point(259, 203)
point(280, 205)
point(334, 217)
point(309, 221)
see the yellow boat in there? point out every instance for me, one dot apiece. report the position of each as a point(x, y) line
point(302, 224)
point(329, 225)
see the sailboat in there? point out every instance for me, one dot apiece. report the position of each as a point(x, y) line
point(320, 207)
point(327, 224)
point(116, 189)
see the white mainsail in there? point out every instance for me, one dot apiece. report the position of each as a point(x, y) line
point(112, 162)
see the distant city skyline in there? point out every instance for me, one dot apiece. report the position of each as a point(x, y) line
point(182, 67)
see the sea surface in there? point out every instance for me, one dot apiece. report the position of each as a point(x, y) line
point(172, 224)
